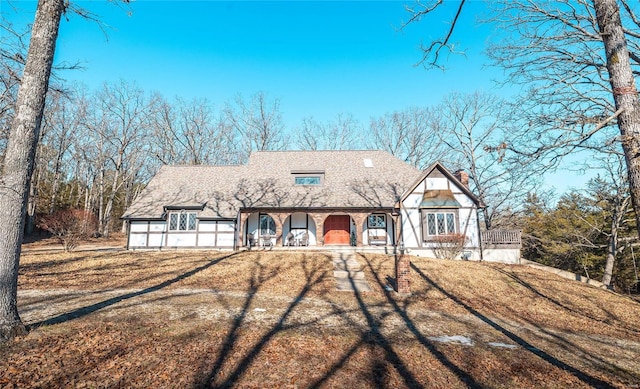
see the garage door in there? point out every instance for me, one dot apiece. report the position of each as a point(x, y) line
point(336, 229)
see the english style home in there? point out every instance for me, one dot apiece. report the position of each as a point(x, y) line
point(305, 198)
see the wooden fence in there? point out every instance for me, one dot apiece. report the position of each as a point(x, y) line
point(502, 238)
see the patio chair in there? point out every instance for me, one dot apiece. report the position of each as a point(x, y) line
point(304, 239)
point(266, 240)
point(252, 241)
point(290, 241)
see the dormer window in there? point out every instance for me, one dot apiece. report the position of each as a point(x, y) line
point(307, 178)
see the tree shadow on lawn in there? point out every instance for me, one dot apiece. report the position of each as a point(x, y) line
point(582, 376)
point(41, 265)
point(385, 360)
point(80, 312)
point(314, 275)
point(372, 337)
point(586, 356)
point(612, 321)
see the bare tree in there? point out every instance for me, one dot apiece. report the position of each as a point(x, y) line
point(410, 135)
point(579, 59)
point(342, 133)
point(612, 191)
point(470, 127)
point(121, 127)
point(12, 59)
point(66, 117)
point(19, 157)
point(258, 123)
point(190, 133)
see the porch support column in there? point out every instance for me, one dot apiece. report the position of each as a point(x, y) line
point(279, 219)
point(318, 218)
point(358, 219)
point(241, 231)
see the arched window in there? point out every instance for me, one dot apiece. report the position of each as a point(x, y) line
point(267, 225)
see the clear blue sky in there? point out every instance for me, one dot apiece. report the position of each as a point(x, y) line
point(320, 58)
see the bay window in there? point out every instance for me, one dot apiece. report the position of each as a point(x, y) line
point(439, 222)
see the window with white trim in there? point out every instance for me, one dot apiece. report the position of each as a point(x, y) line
point(377, 221)
point(439, 223)
point(182, 221)
point(267, 225)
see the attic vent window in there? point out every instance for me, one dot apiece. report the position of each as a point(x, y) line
point(368, 162)
point(313, 178)
point(307, 180)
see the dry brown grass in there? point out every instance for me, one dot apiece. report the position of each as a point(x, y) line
point(274, 319)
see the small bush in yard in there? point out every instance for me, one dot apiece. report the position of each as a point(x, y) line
point(69, 226)
point(449, 246)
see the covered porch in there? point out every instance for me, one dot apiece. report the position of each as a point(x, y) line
point(316, 228)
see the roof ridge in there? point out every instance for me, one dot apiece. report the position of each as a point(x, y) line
point(320, 151)
point(203, 165)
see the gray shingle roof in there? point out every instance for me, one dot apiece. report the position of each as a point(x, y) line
point(266, 181)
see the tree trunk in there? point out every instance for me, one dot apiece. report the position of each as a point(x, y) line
point(625, 94)
point(112, 196)
point(612, 250)
point(101, 213)
point(19, 158)
point(32, 202)
point(55, 185)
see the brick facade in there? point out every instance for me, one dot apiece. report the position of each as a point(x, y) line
point(358, 217)
point(403, 274)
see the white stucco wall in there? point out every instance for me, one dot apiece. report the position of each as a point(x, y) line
point(410, 227)
point(210, 233)
point(183, 239)
point(157, 240)
point(206, 239)
point(207, 226)
point(504, 255)
point(435, 183)
point(157, 226)
point(138, 240)
point(411, 217)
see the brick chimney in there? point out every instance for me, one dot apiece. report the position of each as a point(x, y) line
point(462, 176)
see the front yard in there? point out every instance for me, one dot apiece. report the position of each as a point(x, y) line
point(274, 319)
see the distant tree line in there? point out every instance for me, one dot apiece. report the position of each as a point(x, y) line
point(98, 148)
point(576, 61)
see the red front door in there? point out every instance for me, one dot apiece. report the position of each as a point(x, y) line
point(336, 229)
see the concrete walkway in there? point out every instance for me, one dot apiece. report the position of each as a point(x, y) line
point(348, 272)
